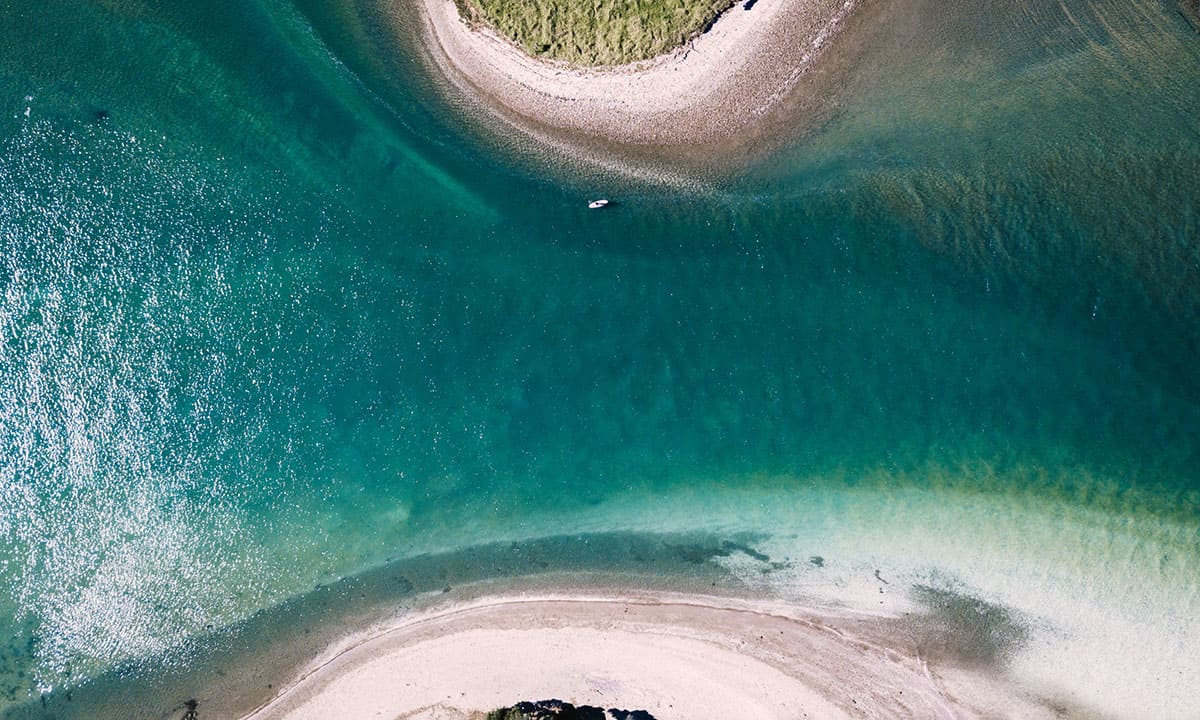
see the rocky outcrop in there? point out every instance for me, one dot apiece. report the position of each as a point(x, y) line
point(559, 710)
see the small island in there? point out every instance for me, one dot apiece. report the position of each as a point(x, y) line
point(655, 74)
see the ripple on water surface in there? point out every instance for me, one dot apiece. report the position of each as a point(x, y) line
point(938, 343)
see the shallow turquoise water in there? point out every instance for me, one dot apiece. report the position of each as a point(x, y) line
point(275, 306)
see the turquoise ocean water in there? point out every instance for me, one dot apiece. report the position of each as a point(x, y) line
point(277, 305)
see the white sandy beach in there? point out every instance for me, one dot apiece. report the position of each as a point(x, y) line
point(676, 656)
point(714, 87)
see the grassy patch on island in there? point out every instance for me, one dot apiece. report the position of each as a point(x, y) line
point(596, 32)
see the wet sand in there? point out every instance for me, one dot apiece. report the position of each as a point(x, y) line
point(706, 92)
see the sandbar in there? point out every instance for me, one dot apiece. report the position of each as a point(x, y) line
point(674, 655)
point(714, 87)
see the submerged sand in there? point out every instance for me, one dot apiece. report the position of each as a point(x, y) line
point(709, 90)
point(676, 656)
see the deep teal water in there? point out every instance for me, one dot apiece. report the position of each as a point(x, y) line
point(275, 305)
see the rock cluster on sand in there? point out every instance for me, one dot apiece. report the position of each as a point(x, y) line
point(559, 710)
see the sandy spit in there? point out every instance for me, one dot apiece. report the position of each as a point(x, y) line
point(676, 656)
point(707, 91)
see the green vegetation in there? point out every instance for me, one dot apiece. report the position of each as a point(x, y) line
point(596, 32)
point(510, 713)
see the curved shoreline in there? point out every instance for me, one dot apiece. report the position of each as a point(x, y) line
point(718, 85)
point(677, 656)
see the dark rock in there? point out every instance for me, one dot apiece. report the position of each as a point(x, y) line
point(616, 714)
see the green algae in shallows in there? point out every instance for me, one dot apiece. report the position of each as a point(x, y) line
point(601, 32)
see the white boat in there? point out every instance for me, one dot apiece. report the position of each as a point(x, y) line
point(597, 204)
